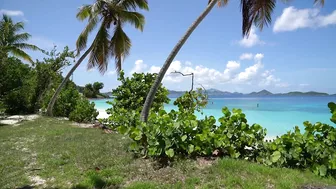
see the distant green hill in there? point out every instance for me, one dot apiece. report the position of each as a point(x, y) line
point(311, 93)
point(263, 93)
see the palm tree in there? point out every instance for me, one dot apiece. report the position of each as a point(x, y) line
point(257, 12)
point(13, 42)
point(110, 40)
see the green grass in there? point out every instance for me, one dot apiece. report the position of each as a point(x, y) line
point(67, 157)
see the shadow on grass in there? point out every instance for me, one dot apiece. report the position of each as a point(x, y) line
point(97, 183)
point(25, 187)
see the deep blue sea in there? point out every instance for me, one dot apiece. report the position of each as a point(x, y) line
point(277, 114)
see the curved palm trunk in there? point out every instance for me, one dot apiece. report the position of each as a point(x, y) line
point(151, 95)
point(54, 97)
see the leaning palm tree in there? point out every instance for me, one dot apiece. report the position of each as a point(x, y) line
point(12, 42)
point(257, 12)
point(110, 40)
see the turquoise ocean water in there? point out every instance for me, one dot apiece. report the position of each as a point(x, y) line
point(277, 114)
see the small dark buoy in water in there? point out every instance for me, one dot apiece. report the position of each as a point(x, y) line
point(211, 102)
point(257, 105)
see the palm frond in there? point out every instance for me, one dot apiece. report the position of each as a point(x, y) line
point(133, 4)
point(134, 18)
point(21, 37)
point(262, 12)
point(319, 2)
point(84, 12)
point(82, 38)
point(18, 26)
point(20, 54)
point(120, 46)
point(100, 50)
point(26, 46)
point(6, 18)
point(246, 9)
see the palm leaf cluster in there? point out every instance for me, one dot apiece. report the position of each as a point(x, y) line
point(13, 42)
point(257, 12)
point(110, 41)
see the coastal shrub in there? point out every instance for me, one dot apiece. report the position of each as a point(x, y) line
point(180, 133)
point(332, 107)
point(66, 102)
point(16, 86)
point(130, 96)
point(84, 111)
point(313, 149)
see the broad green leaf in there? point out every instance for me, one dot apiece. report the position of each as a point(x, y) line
point(275, 156)
point(323, 170)
point(184, 137)
point(170, 153)
point(190, 148)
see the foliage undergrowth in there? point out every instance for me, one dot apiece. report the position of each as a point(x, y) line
point(179, 133)
point(26, 89)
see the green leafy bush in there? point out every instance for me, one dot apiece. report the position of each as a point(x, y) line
point(180, 133)
point(130, 96)
point(16, 86)
point(84, 111)
point(66, 102)
point(332, 107)
point(313, 149)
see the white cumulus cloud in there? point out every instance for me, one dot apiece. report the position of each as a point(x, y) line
point(251, 40)
point(246, 56)
point(292, 19)
point(139, 67)
point(210, 77)
point(11, 12)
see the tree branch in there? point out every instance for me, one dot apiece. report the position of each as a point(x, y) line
point(192, 78)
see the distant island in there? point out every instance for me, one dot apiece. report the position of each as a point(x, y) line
point(263, 93)
point(215, 93)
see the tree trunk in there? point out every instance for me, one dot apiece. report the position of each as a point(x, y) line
point(54, 97)
point(151, 95)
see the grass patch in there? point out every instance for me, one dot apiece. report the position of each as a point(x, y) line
point(49, 153)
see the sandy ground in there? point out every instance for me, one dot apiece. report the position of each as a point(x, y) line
point(16, 119)
point(102, 114)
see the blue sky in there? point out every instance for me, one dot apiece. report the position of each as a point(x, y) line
point(296, 52)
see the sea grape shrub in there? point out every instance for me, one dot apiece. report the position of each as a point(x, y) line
point(84, 111)
point(72, 104)
point(180, 133)
point(130, 96)
point(313, 149)
point(332, 107)
point(66, 102)
point(236, 137)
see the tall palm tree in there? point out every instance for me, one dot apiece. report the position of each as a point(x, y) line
point(13, 42)
point(257, 12)
point(110, 40)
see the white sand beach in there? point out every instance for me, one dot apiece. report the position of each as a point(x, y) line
point(102, 114)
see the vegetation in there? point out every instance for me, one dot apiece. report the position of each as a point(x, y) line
point(84, 111)
point(13, 42)
point(253, 12)
point(93, 90)
point(106, 13)
point(332, 107)
point(26, 89)
point(61, 155)
point(129, 98)
point(313, 149)
point(175, 134)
